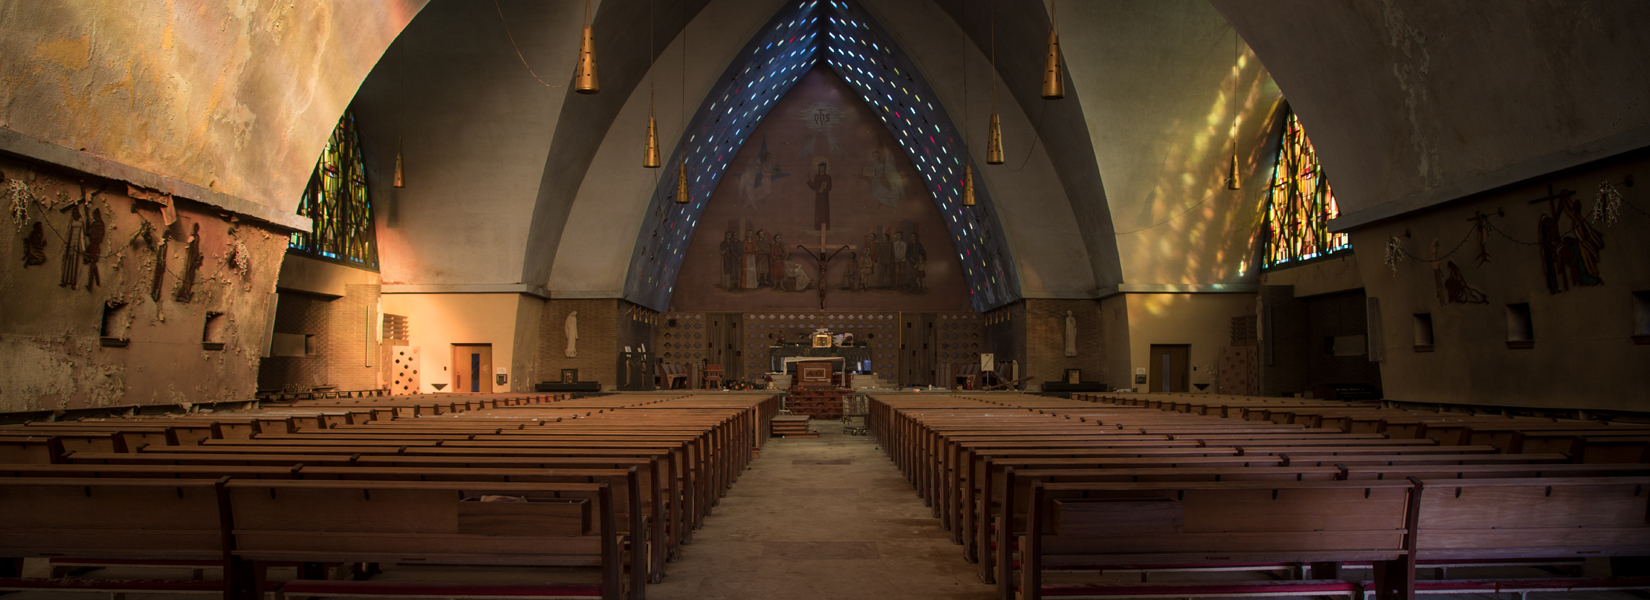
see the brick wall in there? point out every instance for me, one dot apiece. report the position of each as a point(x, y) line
point(1286, 342)
point(598, 345)
point(1045, 340)
point(1005, 337)
point(340, 329)
point(1331, 315)
point(298, 314)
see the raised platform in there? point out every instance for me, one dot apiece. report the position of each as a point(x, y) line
point(1066, 388)
point(582, 386)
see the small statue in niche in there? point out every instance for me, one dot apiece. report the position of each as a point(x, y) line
point(95, 231)
point(571, 328)
point(191, 263)
point(71, 250)
point(34, 246)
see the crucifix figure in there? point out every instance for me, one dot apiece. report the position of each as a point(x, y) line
point(824, 263)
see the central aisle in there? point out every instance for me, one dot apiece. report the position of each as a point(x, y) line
point(827, 518)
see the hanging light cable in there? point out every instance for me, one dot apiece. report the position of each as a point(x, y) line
point(585, 81)
point(1232, 182)
point(681, 172)
point(968, 169)
point(1054, 82)
point(651, 158)
point(401, 109)
point(994, 143)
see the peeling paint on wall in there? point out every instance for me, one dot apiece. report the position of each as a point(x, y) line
point(107, 341)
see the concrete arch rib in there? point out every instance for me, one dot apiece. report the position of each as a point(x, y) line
point(613, 199)
point(585, 120)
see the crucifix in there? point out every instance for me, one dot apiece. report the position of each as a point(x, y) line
point(824, 261)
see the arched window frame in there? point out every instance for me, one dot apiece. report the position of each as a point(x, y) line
point(338, 205)
point(1299, 204)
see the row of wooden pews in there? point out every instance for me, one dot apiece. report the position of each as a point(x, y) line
point(1048, 495)
point(607, 489)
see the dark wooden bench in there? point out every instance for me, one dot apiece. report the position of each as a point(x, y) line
point(563, 525)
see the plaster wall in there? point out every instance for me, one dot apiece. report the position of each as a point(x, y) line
point(1411, 102)
point(1203, 321)
point(1583, 356)
point(473, 126)
point(234, 98)
point(51, 353)
point(1044, 222)
point(593, 251)
point(1339, 273)
point(1157, 82)
point(437, 321)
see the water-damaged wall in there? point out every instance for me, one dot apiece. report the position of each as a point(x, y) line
point(116, 296)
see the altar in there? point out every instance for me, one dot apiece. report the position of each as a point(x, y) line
point(854, 357)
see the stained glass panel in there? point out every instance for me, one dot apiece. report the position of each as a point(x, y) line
point(1300, 204)
point(337, 204)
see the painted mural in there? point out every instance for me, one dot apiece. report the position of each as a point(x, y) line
point(821, 208)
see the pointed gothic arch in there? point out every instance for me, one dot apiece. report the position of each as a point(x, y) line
point(840, 36)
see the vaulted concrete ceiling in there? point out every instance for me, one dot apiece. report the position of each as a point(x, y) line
point(1408, 102)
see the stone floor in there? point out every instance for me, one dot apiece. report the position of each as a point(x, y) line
point(827, 518)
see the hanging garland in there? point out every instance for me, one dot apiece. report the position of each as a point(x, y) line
point(1606, 210)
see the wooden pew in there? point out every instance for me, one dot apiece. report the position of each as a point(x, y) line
point(1094, 525)
point(567, 525)
point(111, 519)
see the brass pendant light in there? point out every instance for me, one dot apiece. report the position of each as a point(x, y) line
point(681, 185)
point(399, 182)
point(1054, 82)
point(401, 109)
point(968, 186)
point(1232, 182)
point(585, 79)
point(994, 139)
point(651, 159)
point(994, 146)
point(1232, 175)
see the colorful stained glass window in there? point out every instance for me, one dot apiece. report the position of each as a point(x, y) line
point(336, 202)
point(1300, 204)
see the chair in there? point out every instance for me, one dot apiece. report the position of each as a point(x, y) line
point(969, 376)
point(670, 374)
point(713, 375)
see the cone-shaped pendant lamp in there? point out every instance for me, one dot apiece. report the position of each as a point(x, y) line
point(994, 136)
point(1232, 172)
point(994, 146)
point(1054, 82)
point(968, 185)
point(651, 161)
point(681, 185)
point(398, 180)
point(587, 83)
point(585, 80)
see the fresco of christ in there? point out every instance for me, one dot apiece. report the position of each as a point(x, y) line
point(821, 184)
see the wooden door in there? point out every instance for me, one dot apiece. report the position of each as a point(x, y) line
point(472, 368)
point(1169, 367)
point(917, 349)
point(723, 344)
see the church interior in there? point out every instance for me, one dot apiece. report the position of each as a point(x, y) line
point(984, 299)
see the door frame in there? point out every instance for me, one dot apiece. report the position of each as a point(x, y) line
point(1156, 379)
point(484, 382)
